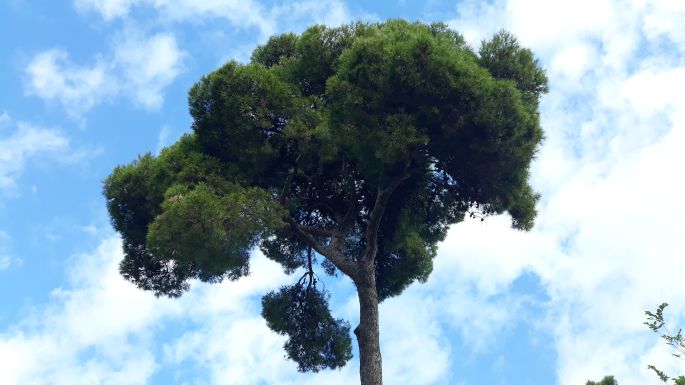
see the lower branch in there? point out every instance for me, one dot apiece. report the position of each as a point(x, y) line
point(336, 257)
point(376, 215)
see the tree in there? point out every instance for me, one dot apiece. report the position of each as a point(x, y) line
point(655, 321)
point(607, 380)
point(355, 147)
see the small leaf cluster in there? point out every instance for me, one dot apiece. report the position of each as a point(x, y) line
point(316, 340)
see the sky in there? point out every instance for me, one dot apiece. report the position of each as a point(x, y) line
point(86, 85)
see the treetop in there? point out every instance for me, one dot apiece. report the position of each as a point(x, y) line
point(396, 128)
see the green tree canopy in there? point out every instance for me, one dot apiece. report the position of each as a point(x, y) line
point(363, 142)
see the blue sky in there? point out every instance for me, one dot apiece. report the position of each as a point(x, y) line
point(86, 85)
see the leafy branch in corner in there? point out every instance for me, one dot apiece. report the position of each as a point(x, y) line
point(655, 321)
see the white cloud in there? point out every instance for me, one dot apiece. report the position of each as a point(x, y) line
point(29, 142)
point(573, 62)
point(654, 90)
point(140, 65)
point(5, 262)
point(414, 348)
point(243, 14)
point(99, 329)
point(607, 242)
point(665, 19)
point(52, 77)
point(164, 138)
point(144, 66)
point(148, 65)
point(5, 259)
point(625, 257)
point(91, 333)
point(4, 118)
point(299, 14)
point(109, 9)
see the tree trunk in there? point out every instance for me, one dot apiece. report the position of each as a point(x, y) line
point(368, 332)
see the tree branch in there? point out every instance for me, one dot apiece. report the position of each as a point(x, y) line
point(286, 186)
point(308, 233)
point(345, 227)
point(376, 216)
point(327, 207)
point(288, 180)
point(316, 231)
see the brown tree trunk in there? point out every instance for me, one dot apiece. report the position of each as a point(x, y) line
point(368, 332)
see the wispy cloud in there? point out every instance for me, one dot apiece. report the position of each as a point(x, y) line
point(51, 76)
point(5, 259)
point(164, 137)
point(267, 19)
point(140, 65)
point(28, 142)
point(4, 118)
point(108, 9)
point(148, 64)
point(144, 65)
point(24, 143)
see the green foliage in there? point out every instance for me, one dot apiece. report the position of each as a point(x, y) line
point(212, 229)
point(309, 133)
point(505, 59)
point(607, 380)
point(275, 50)
point(655, 321)
point(315, 339)
point(182, 217)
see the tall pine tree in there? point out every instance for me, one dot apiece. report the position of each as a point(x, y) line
point(361, 144)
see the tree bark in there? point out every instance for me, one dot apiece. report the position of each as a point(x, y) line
point(368, 331)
